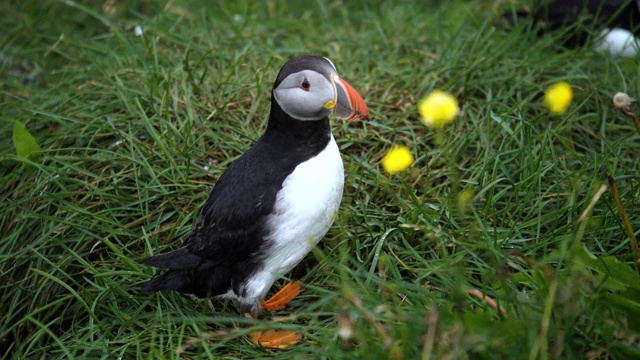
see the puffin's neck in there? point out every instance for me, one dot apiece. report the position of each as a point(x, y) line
point(311, 134)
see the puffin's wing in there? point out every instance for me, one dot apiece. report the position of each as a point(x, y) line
point(231, 225)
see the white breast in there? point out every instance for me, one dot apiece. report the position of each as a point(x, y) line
point(619, 42)
point(304, 211)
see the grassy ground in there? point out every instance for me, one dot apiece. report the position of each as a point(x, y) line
point(136, 129)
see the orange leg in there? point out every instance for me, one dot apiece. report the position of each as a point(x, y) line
point(282, 297)
point(279, 338)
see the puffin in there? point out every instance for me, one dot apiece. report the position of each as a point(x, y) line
point(614, 24)
point(275, 202)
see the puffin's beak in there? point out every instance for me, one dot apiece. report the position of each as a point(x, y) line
point(349, 104)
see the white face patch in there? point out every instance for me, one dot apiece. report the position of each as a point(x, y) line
point(303, 95)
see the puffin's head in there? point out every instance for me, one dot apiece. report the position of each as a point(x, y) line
point(308, 88)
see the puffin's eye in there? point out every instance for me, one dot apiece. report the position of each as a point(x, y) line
point(305, 85)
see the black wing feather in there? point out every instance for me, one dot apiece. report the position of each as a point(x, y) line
point(227, 240)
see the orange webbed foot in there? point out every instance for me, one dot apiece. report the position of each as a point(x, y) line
point(279, 339)
point(282, 297)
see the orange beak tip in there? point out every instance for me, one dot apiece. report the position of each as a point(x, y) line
point(359, 110)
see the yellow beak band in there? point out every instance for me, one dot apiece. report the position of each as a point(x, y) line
point(330, 104)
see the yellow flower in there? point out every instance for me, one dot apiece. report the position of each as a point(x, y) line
point(557, 97)
point(464, 200)
point(438, 109)
point(399, 158)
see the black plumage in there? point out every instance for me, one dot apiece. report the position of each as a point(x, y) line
point(230, 227)
point(584, 19)
point(227, 243)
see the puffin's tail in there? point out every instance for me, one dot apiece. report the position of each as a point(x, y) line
point(176, 278)
point(188, 273)
point(172, 280)
point(180, 259)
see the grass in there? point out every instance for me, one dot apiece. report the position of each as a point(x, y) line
point(136, 129)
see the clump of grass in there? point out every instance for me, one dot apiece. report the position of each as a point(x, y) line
point(136, 129)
